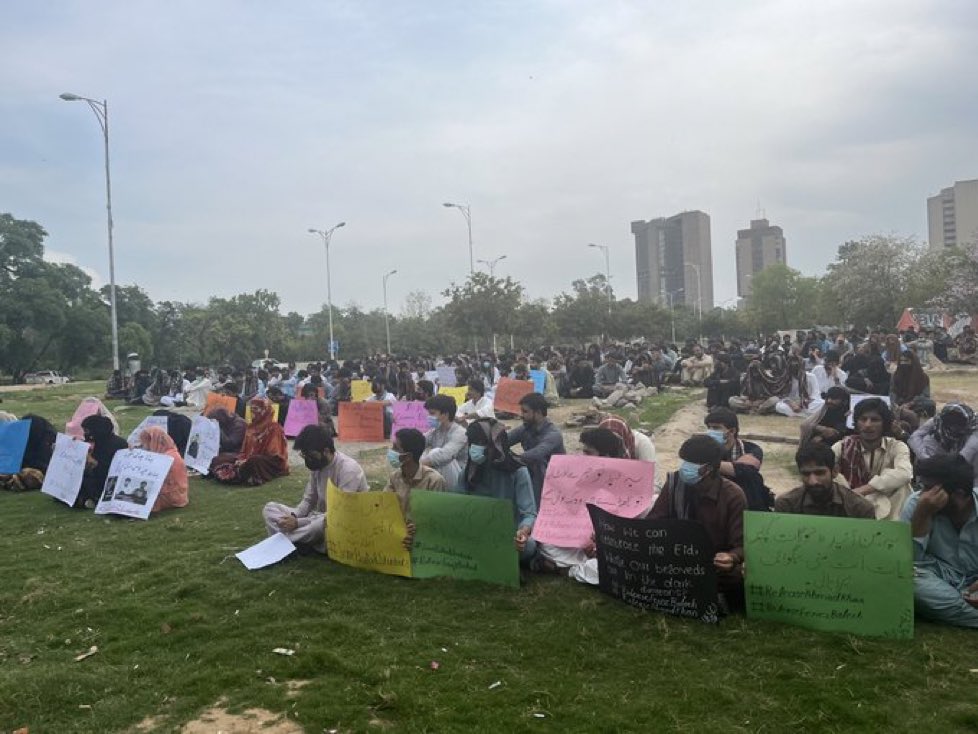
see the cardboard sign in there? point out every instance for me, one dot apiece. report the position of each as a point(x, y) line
point(836, 574)
point(663, 565)
point(539, 378)
point(302, 413)
point(150, 421)
point(432, 377)
point(410, 415)
point(855, 400)
point(247, 415)
point(361, 422)
point(508, 394)
point(13, 444)
point(463, 537)
point(216, 400)
point(446, 375)
point(623, 487)
point(134, 482)
point(63, 479)
point(203, 445)
point(454, 392)
point(360, 390)
point(366, 530)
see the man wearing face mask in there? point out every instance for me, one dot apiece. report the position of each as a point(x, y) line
point(409, 473)
point(943, 522)
point(820, 493)
point(305, 525)
point(699, 493)
point(741, 461)
point(445, 440)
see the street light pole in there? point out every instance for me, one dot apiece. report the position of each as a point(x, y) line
point(466, 211)
point(101, 110)
point(699, 296)
point(327, 236)
point(607, 271)
point(492, 264)
point(387, 323)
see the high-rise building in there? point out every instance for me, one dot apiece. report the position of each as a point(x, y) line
point(952, 215)
point(757, 248)
point(674, 260)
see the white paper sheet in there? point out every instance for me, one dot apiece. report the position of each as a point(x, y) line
point(271, 550)
point(63, 478)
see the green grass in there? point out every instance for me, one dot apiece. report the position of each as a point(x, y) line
point(365, 642)
point(657, 410)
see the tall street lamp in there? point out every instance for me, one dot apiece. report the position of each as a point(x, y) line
point(101, 110)
point(699, 296)
point(466, 211)
point(327, 236)
point(387, 322)
point(492, 264)
point(607, 270)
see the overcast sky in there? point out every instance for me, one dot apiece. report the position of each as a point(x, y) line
point(236, 126)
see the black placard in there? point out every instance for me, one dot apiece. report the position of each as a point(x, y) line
point(664, 565)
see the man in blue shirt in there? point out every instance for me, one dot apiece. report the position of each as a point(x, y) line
point(539, 438)
point(944, 522)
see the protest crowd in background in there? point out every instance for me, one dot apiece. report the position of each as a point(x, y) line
point(873, 446)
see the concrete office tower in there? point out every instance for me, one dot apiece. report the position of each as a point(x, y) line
point(673, 259)
point(952, 215)
point(757, 248)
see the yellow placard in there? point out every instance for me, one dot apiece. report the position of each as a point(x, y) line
point(360, 390)
point(456, 392)
point(366, 530)
point(248, 412)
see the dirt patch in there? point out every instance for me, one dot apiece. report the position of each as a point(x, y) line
point(217, 720)
point(150, 723)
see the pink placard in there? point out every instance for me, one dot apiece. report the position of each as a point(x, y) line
point(623, 487)
point(301, 413)
point(410, 414)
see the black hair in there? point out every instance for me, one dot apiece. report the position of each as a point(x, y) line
point(412, 442)
point(314, 438)
point(605, 442)
point(478, 385)
point(874, 405)
point(534, 401)
point(952, 471)
point(725, 417)
point(426, 386)
point(702, 449)
point(831, 356)
point(819, 454)
point(442, 404)
point(309, 389)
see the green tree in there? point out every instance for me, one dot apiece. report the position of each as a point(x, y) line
point(782, 298)
point(481, 306)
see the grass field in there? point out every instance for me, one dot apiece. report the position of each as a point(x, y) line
point(181, 626)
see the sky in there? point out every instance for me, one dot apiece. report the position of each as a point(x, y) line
point(237, 126)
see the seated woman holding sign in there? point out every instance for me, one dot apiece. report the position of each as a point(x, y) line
point(100, 433)
point(37, 456)
point(264, 452)
point(176, 487)
point(493, 471)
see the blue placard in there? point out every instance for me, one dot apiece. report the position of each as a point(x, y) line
point(13, 443)
point(539, 378)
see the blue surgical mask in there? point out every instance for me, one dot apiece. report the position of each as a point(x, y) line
point(719, 436)
point(690, 472)
point(433, 421)
point(393, 458)
point(477, 454)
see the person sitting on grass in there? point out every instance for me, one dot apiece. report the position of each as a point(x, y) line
point(539, 438)
point(874, 463)
point(803, 398)
point(741, 461)
point(445, 442)
point(232, 428)
point(602, 442)
point(310, 391)
point(264, 452)
point(476, 404)
point(404, 457)
point(820, 493)
point(637, 445)
point(37, 456)
point(99, 432)
point(493, 471)
point(176, 486)
point(305, 524)
point(698, 492)
point(943, 522)
point(828, 425)
point(953, 431)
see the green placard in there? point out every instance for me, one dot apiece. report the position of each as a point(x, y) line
point(830, 573)
point(463, 537)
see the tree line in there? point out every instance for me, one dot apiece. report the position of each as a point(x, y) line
point(52, 318)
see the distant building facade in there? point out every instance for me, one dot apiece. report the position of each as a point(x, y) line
point(674, 259)
point(952, 215)
point(758, 248)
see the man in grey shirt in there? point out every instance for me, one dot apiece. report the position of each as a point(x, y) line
point(539, 438)
point(608, 376)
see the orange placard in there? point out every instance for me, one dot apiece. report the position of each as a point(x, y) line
point(362, 421)
point(508, 394)
point(216, 400)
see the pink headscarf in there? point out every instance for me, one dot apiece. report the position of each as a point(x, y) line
point(87, 407)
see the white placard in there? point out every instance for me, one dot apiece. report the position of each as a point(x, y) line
point(446, 375)
point(203, 445)
point(63, 478)
point(134, 483)
point(854, 400)
point(271, 550)
point(159, 421)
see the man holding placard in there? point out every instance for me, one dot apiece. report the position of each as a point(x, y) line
point(539, 438)
point(304, 525)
